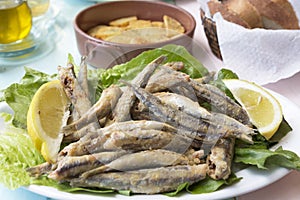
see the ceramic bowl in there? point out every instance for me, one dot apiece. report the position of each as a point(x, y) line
point(104, 54)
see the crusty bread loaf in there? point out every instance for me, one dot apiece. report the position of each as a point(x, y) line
point(285, 4)
point(268, 14)
point(217, 6)
point(246, 11)
point(276, 14)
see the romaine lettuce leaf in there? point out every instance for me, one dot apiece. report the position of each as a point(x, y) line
point(180, 188)
point(210, 185)
point(129, 70)
point(282, 131)
point(17, 153)
point(264, 158)
point(45, 181)
point(224, 74)
point(18, 95)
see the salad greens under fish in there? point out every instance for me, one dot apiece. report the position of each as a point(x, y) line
point(17, 151)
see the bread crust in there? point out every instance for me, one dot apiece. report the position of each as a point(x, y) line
point(268, 14)
point(277, 11)
point(246, 11)
point(285, 4)
point(216, 6)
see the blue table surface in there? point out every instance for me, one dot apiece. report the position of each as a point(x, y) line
point(19, 194)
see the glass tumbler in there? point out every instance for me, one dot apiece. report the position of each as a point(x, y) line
point(38, 7)
point(15, 20)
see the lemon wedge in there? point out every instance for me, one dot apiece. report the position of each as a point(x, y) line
point(264, 110)
point(47, 113)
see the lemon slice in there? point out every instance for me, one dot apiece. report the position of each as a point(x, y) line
point(264, 110)
point(48, 112)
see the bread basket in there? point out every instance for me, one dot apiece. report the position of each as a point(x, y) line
point(210, 30)
point(251, 14)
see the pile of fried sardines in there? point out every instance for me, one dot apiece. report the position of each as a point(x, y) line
point(148, 136)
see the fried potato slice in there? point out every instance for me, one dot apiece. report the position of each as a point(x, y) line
point(157, 24)
point(117, 30)
point(122, 22)
point(173, 24)
point(139, 24)
point(146, 35)
point(93, 31)
point(103, 32)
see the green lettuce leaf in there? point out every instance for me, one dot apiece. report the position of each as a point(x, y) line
point(129, 70)
point(17, 153)
point(181, 187)
point(227, 74)
point(65, 187)
point(210, 185)
point(18, 95)
point(224, 74)
point(283, 130)
point(265, 158)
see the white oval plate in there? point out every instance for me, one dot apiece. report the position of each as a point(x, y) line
point(253, 178)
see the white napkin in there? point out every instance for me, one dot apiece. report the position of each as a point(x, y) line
point(259, 55)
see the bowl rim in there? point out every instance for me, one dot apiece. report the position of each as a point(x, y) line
point(103, 42)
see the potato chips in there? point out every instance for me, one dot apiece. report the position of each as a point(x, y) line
point(102, 31)
point(173, 24)
point(131, 30)
point(122, 22)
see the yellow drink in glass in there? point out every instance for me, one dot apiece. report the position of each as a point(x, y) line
point(15, 20)
point(38, 7)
